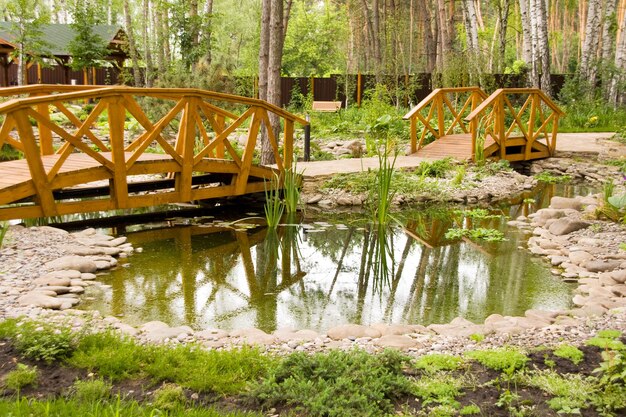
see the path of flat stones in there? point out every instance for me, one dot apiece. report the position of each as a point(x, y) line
point(44, 272)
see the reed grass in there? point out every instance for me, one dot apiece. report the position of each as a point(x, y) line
point(292, 184)
point(382, 192)
point(4, 228)
point(274, 205)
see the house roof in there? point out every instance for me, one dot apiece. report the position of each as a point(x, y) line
point(59, 37)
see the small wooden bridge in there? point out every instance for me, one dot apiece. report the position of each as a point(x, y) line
point(115, 154)
point(516, 124)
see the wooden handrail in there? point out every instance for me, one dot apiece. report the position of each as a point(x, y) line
point(164, 93)
point(203, 144)
point(438, 103)
point(490, 100)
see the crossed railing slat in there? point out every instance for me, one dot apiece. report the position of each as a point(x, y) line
point(203, 130)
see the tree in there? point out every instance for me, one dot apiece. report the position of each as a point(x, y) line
point(27, 19)
point(88, 49)
point(273, 26)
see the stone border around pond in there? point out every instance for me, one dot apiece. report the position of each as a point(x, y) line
point(45, 269)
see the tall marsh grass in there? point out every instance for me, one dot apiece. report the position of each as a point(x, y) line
point(292, 183)
point(4, 228)
point(274, 205)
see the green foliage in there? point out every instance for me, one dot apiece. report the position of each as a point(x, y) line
point(63, 407)
point(439, 389)
point(311, 45)
point(88, 49)
point(120, 358)
point(380, 197)
point(477, 337)
point(438, 362)
point(507, 360)
point(550, 178)
point(470, 410)
point(9, 153)
point(590, 115)
point(459, 175)
point(274, 205)
point(91, 390)
point(169, 397)
point(435, 169)
point(571, 391)
point(292, 183)
point(44, 342)
point(607, 339)
point(480, 233)
point(21, 377)
point(336, 383)
point(570, 352)
point(4, 228)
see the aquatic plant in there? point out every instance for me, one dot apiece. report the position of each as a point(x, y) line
point(274, 205)
point(4, 228)
point(292, 184)
point(382, 192)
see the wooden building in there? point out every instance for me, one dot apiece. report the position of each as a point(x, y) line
point(59, 37)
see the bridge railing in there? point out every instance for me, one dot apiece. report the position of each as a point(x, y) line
point(516, 116)
point(204, 131)
point(440, 105)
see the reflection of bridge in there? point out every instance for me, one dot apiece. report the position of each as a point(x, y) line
point(517, 124)
point(202, 162)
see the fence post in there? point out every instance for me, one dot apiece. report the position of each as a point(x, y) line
point(307, 140)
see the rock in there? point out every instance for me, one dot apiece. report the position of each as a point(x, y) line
point(565, 203)
point(619, 276)
point(59, 289)
point(579, 257)
point(315, 199)
point(395, 341)
point(398, 329)
point(566, 226)
point(601, 266)
point(78, 263)
point(346, 331)
point(87, 276)
point(40, 300)
point(126, 329)
point(253, 336)
point(68, 273)
point(211, 334)
point(45, 281)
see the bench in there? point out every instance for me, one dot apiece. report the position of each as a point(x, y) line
point(328, 106)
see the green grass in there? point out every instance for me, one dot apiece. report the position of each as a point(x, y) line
point(22, 376)
point(61, 407)
point(440, 389)
point(504, 359)
point(189, 366)
point(550, 178)
point(570, 391)
point(570, 352)
point(4, 228)
point(438, 362)
point(336, 383)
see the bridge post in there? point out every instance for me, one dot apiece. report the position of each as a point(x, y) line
point(45, 135)
point(242, 178)
point(35, 165)
point(413, 121)
point(288, 144)
point(119, 182)
point(184, 145)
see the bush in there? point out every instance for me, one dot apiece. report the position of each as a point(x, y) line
point(506, 360)
point(169, 397)
point(44, 342)
point(92, 390)
point(337, 383)
point(21, 377)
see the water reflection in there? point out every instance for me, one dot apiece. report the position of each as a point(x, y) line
point(317, 275)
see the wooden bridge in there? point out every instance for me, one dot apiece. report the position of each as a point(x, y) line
point(114, 154)
point(516, 124)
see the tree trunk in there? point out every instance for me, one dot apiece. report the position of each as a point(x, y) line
point(208, 11)
point(276, 40)
point(264, 48)
point(543, 46)
point(608, 43)
point(587, 68)
point(503, 18)
point(619, 77)
point(132, 47)
point(157, 23)
point(535, 80)
point(147, 49)
point(526, 32)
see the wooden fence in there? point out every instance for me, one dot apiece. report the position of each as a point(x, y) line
point(349, 89)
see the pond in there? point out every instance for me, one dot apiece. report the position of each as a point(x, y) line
point(325, 269)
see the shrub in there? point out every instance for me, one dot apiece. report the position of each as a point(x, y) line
point(504, 359)
point(438, 362)
point(570, 352)
point(21, 377)
point(169, 397)
point(44, 342)
point(92, 390)
point(337, 383)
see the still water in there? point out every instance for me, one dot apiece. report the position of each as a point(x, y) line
point(325, 269)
